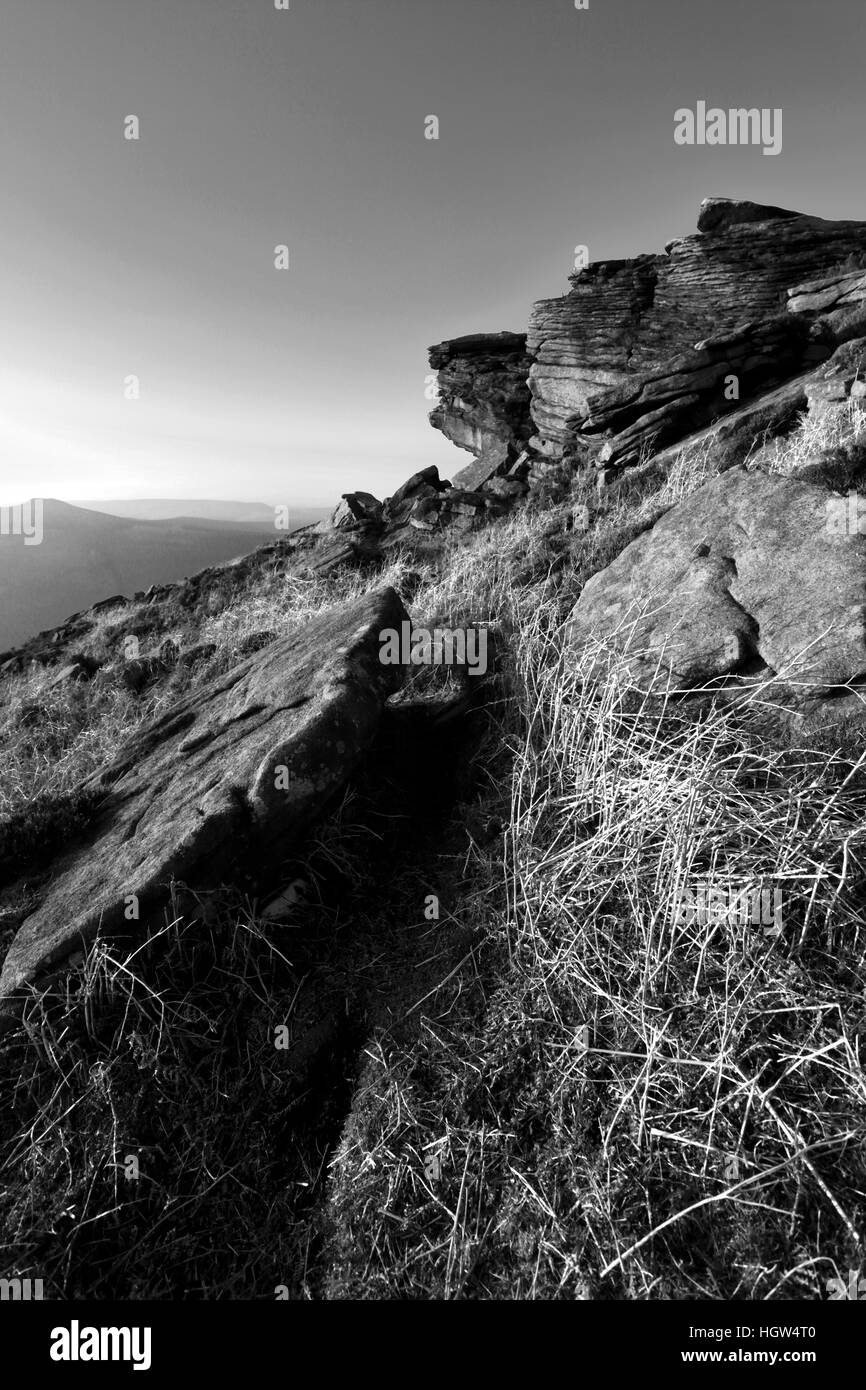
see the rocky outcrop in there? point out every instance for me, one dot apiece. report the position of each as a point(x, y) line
point(750, 578)
point(242, 767)
point(644, 353)
point(747, 580)
point(645, 413)
point(755, 431)
point(628, 332)
point(483, 391)
point(584, 342)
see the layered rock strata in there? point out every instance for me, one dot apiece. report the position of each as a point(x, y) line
point(631, 329)
point(483, 391)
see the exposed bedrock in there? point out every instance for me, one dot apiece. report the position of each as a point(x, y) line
point(628, 332)
point(649, 411)
point(756, 430)
point(483, 391)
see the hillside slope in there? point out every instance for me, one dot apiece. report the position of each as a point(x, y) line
point(558, 993)
point(84, 556)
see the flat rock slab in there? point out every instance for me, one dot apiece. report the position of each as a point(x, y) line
point(752, 571)
point(247, 760)
point(493, 461)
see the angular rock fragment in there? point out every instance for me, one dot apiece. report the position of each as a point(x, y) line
point(492, 462)
point(356, 509)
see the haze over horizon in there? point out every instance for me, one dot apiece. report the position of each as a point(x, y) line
point(155, 257)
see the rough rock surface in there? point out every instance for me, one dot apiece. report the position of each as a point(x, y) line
point(840, 381)
point(356, 508)
point(645, 413)
point(425, 483)
point(204, 785)
point(647, 352)
point(717, 214)
point(625, 319)
point(745, 578)
point(483, 391)
point(755, 431)
point(835, 302)
point(739, 435)
point(495, 461)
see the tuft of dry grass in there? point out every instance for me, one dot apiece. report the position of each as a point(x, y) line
point(816, 434)
point(612, 1104)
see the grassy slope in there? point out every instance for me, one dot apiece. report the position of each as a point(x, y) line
point(553, 1090)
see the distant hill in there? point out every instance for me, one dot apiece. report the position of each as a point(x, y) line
point(206, 509)
point(85, 556)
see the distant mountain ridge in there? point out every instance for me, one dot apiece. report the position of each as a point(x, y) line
point(202, 508)
point(85, 555)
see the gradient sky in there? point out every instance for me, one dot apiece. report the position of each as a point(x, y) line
point(306, 127)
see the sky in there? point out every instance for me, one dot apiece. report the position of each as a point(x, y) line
point(155, 258)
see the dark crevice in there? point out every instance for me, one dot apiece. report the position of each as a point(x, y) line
point(753, 635)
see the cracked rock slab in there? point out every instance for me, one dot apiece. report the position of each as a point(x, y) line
point(246, 761)
point(752, 571)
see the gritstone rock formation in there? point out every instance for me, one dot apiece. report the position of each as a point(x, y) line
point(483, 391)
point(662, 328)
point(646, 352)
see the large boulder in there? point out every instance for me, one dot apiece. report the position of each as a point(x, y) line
point(418, 497)
point(240, 767)
point(753, 575)
point(426, 482)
